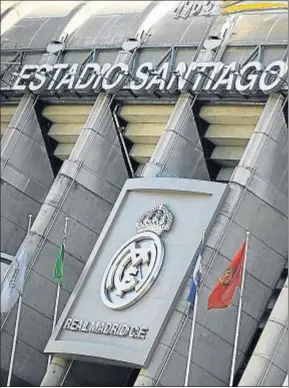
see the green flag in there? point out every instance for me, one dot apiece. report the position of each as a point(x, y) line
point(58, 268)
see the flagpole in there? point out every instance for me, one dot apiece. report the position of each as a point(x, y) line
point(172, 348)
point(232, 373)
point(192, 334)
point(17, 323)
point(58, 289)
point(191, 341)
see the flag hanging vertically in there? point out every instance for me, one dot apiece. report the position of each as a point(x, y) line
point(195, 281)
point(13, 283)
point(58, 274)
point(223, 292)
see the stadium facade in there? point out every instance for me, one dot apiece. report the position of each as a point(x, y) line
point(145, 123)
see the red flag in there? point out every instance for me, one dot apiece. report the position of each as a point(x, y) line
point(223, 292)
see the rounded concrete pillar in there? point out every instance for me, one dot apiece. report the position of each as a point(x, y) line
point(266, 366)
point(55, 372)
point(143, 380)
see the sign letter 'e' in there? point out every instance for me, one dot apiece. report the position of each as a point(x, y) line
point(25, 74)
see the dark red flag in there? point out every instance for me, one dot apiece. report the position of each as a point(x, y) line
point(223, 292)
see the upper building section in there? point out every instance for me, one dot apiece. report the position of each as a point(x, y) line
point(160, 45)
point(81, 24)
point(33, 24)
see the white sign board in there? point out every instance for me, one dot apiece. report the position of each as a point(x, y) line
point(141, 261)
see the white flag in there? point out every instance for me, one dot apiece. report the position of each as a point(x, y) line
point(13, 283)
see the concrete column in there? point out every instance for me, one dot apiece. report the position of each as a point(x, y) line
point(26, 174)
point(179, 152)
point(84, 190)
point(268, 364)
point(255, 200)
point(55, 372)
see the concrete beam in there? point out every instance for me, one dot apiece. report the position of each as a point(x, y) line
point(67, 113)
point(67, 123)
point(231, 114)
point(145, 113)
point(4, 126)
point(145, 133)
point(229, 135)
point(225, 174)
point(6, 114)
point(63, 150)
point(65, 133)
point(227, 156)
point(141, 153)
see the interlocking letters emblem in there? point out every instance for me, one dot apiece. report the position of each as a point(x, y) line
point(128, 275)
point(135, 266)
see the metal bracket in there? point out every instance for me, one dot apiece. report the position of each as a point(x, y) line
point(257, 54)
point(119, 132)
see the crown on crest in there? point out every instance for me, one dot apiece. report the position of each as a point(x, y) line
point(157, 220)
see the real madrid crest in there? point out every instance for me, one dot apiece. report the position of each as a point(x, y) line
point(136, 265)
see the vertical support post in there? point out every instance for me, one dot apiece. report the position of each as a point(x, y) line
point(197, 269)
point(191, 342)
point(237, 331)
point(58, 289)
point(17, 323)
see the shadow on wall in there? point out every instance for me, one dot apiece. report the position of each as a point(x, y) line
point(15, 381)
point(85, 374)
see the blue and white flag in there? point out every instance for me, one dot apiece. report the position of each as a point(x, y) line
point(13, 283)
point(195, 281)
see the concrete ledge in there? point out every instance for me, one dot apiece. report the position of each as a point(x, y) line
point(67, 113)
point(231, 114)
point(227, 156)
point(148, 133)
point(146, 113)
point(229, 135)
point(141, 153)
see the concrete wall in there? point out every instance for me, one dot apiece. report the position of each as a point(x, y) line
point(26, 174)
point(256, 199)
point(268, 364)
point(84, 190)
